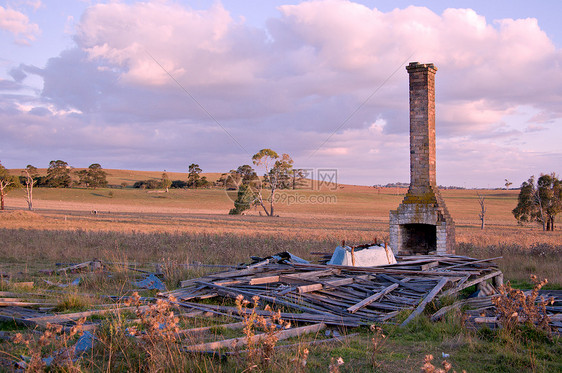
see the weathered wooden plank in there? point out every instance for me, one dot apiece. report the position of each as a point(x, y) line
point(426, 300)
point(388, 316)
point(238, 342)
point(9, 294)
point(401, 283)
point(480, 303)
point(359, 291)
point(339, 282)
point(413, 262)
point(341, 293)
point(470, 283)
point(313, 274)
point(439, 314)
point(22, 312)
point(316, 342)
point(18, 320)
point(385, 306)
point(372, 298)
point(93, 264)
point(231, 326)
point(425, 267)
point(55, 319)
point(378, 270)
point(462, 281)
point(288, 289)
point(485, 320)
point(264, 280)
point(24, 303)
point(302, 300)
point(468, 263)
point(207, 308)
point(295, 281)
point(275, 300)
point(309, 288)
point(228, 282)
point(329, 283)
point(12, 299)
point(331, 319)
point(401, 300)
point(193, 281)
point(237, 273)
point(328, 300)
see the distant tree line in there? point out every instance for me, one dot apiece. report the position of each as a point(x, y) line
point(59, 175)
point(194, 181)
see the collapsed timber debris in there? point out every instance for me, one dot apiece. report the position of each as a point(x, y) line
point(342, 295)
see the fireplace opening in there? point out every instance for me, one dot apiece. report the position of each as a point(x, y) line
point(419, 238)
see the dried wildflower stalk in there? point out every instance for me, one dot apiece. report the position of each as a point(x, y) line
point(377, 341)
point(259, 351)
point(299, 362)
point(335, 365)
point(158, 321)
point(514, 306)
point(428, 367)
point(157, 333)
point(52, 346)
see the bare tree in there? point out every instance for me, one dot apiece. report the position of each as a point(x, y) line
point(482, 214)
point(30, 172)
point(277, 171)
point(507, 184)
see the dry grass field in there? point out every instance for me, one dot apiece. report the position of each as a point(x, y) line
point(356, 214)
point(144, 228)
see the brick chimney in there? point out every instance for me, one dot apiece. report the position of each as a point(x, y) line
point(422, 223)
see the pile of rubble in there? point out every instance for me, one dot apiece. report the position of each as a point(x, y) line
point(342, 295)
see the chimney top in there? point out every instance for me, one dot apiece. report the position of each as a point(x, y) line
point(421, 66)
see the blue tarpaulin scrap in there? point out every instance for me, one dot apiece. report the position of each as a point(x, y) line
point(151, 282)
point(84, 344)
point(74, 282)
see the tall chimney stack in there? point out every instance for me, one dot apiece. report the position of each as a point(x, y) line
point(422, 127)
point(422, 223)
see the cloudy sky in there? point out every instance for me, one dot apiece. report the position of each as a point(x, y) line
point(157, 85)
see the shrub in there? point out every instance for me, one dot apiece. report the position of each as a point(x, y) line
point(179, 184)
point(148, 184)
point(243, 201)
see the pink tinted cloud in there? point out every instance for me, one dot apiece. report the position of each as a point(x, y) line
point(326, 49)
point(18, 24)
point(194, 46)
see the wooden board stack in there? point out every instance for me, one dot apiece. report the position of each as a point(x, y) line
point(342, 295)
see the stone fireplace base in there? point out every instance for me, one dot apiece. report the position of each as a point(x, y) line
point(421, 229)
